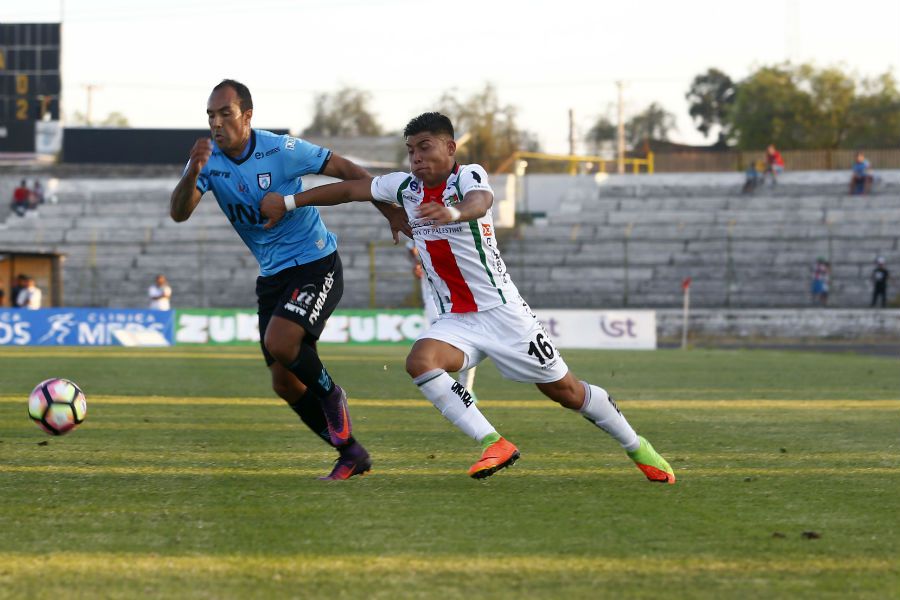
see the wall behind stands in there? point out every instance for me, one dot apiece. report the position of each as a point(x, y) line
point(102, 145)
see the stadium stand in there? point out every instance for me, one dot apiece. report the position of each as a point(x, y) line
point(583, 241)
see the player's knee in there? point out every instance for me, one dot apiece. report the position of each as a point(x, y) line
point(418, 364)
point(569, 392)
point(280, 351)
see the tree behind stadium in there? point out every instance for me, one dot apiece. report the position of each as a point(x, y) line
point(344, 113)
point(803, 107)
point(493, 134)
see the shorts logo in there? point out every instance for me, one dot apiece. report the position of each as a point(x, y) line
point(301, 300)
point(486, 230)
point(463, 394)
point(323, 296)
point(264, 180)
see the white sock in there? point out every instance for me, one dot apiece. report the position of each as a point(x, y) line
point(600, 409)
point(455, 403)
point(467, 379)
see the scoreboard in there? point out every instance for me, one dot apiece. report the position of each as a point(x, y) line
point(30, 82)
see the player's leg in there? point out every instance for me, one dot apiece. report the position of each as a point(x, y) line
point(428, 363)
point(284, 383)
point(522, 350)
point(598, 407)
point(308, 296)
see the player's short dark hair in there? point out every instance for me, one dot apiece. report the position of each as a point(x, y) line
point(243, 92)
point(432, 122)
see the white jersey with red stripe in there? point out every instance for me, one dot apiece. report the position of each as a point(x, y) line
point(461, 260)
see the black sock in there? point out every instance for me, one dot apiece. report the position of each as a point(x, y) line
point(309, 409)
point(309, 370)
point(310, 412)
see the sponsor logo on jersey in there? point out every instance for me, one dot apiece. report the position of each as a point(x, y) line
point(486, 230)
point(243, 188)
point(264, 180)
point(290, 143)
point(271, 152)
point(320, 243)
point(323, 296)
point(217, 173)
point(414, 185)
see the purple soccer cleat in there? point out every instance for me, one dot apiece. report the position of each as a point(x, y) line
point(354, 460)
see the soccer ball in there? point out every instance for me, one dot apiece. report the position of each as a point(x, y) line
point(57, 406)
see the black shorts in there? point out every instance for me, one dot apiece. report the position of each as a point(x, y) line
point(306, 294)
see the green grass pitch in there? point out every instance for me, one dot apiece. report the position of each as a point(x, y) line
point(189, 479)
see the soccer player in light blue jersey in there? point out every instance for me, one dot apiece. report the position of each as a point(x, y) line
point(300, 276)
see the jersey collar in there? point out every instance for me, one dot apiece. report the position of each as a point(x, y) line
point(250, 148)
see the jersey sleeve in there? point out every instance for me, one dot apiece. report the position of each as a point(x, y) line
point(302, 157)
point(387, 188)
point(202, 179)
point(472, 178)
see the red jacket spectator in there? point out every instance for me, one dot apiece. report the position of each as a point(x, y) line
point(21, 199)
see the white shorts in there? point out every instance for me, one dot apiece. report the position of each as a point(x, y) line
point(510, 335)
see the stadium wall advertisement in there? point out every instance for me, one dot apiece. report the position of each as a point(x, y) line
point(224, 326)
point(569, 328)
point(130, 327)
point(601, 330)
point(86, 327)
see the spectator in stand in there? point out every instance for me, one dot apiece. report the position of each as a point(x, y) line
point(880, 276)
point(21, 199)
point(37, 194)
point(160, 294)
point(861, 180)
point(774, 164)
point(21, 284)
point(821, 281)
point(752, 178)
point(30, 297)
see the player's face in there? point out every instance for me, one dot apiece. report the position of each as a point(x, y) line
point(431, 157)
point(229, 127)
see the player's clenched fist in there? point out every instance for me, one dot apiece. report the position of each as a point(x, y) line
point(272, 207)
point(200, 154)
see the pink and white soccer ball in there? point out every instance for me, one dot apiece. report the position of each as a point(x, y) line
point(57, 406)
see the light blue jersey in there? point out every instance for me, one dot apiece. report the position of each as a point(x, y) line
point(272, 163)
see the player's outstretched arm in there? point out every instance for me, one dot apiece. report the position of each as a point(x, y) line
point(474, 205)
point(341, 168)
point(274, 205)
point(186, 196)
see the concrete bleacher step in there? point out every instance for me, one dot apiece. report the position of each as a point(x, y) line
point(609, 243)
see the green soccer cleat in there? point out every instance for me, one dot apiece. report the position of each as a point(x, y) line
point(651, 463)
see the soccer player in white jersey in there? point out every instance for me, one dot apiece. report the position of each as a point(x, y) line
point(482, 313)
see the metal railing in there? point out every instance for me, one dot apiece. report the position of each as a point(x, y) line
point(593, 164)
point(795, 160)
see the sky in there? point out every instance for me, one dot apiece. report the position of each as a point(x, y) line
point(156, 60)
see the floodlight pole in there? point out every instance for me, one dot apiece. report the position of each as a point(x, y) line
point(620, 134)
